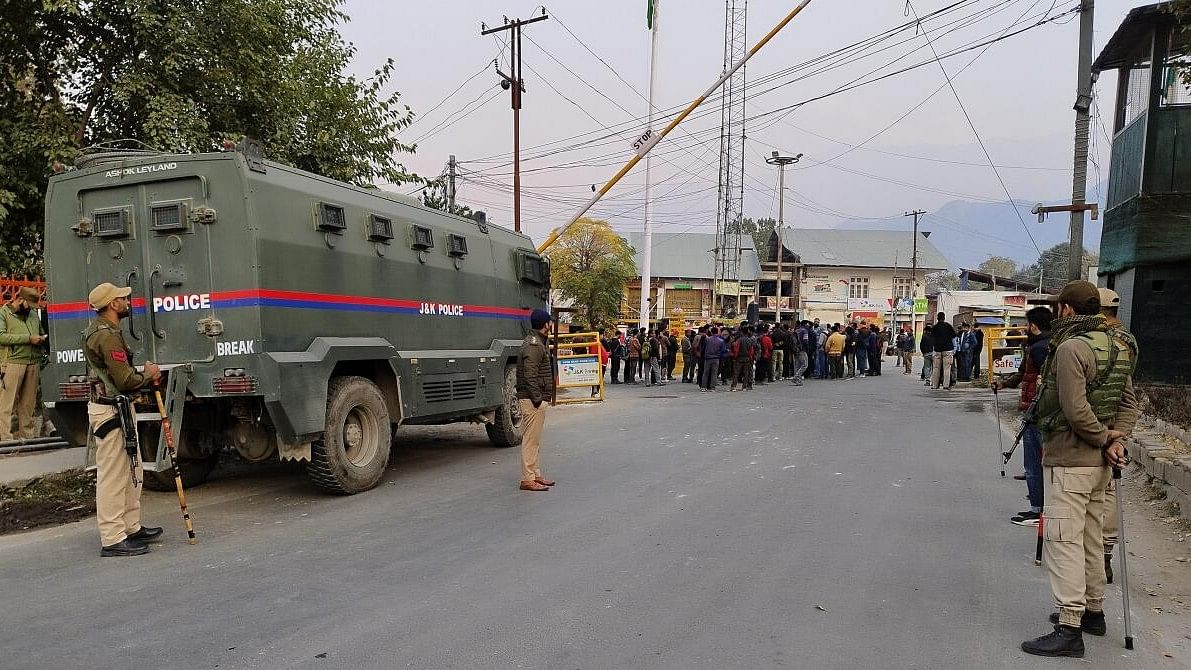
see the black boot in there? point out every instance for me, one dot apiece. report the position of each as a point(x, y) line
point(1108, 567)
point(146, 534)
point(126, 547)
point(1065, 641)
point(1092, 623)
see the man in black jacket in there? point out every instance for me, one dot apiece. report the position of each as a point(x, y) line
point(944, 352)
point(535, 386)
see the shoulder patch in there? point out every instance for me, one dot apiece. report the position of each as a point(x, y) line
point(118, 355)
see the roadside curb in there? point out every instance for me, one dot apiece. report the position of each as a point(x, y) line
point(1169, 467)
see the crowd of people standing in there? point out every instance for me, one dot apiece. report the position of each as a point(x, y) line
point(750, 354)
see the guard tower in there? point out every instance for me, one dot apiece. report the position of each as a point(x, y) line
point(1145, 250)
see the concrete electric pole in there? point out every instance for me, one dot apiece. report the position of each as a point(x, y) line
point(451, 184)
point(516, 86)
point(914, 270)
point(781, 162)
point(1083, 103)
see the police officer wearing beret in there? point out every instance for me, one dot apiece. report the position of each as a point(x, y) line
point(535, 384)
point(110, 367)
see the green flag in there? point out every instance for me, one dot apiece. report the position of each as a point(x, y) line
point(650, 9)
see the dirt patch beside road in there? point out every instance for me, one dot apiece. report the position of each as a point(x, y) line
point(47, 501)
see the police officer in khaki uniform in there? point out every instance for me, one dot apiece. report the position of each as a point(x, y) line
point(535, 384)
point(1086, 407)
point(110, 366)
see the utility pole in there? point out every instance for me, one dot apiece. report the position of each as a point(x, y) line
point(451, 184)
point(647, 254)
point(914, 272)
point(781, 162)
point(1083, 103)
point(513, 83)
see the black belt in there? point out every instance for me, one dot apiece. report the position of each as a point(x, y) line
point(104, 401)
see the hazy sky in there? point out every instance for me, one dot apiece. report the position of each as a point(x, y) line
point(1018, 92)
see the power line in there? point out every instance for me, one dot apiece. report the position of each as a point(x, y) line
point(975, 132)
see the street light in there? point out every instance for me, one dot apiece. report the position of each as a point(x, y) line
point(781, 162)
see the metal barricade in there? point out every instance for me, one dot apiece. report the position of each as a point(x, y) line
point(578, 366)
point(1002, 349)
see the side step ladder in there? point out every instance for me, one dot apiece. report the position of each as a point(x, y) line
point(174, 398)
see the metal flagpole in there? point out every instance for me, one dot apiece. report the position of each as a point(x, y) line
point(647, 252)
point(652, 140)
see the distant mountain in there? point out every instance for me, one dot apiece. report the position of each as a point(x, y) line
point(969, 232)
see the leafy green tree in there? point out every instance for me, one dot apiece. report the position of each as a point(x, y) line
point(183, 77)
point(759, 230)
point(1051, 266)
point(435, 195)
point(998, 266)
point(591, 265)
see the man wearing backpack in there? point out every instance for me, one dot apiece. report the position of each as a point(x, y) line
point(1086, 407)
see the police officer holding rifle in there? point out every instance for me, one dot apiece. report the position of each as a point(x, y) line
point(113, 422)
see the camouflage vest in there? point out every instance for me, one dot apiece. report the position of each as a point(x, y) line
point(1116, 356)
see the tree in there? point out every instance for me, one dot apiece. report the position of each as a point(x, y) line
point(183, 77)
point(759, 230)
point(591, 265)
point(1051, 266)
point(998, 266)
point(945, 279)
point(435, 195)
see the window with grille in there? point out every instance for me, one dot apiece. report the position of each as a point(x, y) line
point(903, 287)
point(1176, 73)
point(456, 245)
point(168, 216)
point(331, 218)
point(111, 223)
point(1137, 94)
point(535, 269)
point(421, 238)
point(380, 229)
point(858, 287)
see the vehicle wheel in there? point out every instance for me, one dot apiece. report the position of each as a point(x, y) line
point(507, 430)
point(354, 449)
point(195, 471)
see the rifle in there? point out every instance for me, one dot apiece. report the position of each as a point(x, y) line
point(1030, 416)
point(127, 416)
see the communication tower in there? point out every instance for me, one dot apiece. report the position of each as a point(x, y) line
point(730, 209)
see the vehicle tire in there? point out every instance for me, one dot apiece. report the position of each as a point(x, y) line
point(507, 429)
point(352, 454)
point(195, 471)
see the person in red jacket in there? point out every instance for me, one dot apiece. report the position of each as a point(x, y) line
point(764, 367)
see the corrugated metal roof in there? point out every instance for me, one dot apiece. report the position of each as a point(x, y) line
point(691, 255)
point(862, 248)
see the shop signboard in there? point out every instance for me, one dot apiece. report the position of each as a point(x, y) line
point(580, 370)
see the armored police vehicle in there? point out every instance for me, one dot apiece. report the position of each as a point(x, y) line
point(296, 316)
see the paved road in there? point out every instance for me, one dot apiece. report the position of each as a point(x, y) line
point(855, 524)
